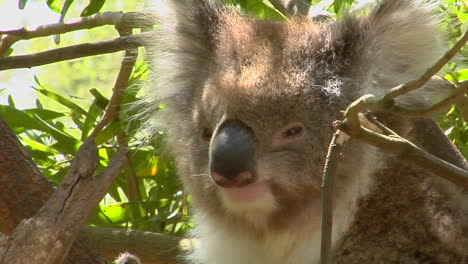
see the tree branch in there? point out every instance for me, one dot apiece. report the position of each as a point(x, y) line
point(126, 68)
point(413, 85)
point(73, 52)
point(454, 97)
point(151, 248)
point(406, 150)
point(118, 19)
point(334, 150)
point(396, 144)
point(23, 190)
point(47, 237)
point(386, 102)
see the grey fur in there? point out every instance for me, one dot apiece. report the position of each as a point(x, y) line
point(213, 65)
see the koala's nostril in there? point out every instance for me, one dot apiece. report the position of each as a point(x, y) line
point(238, 180)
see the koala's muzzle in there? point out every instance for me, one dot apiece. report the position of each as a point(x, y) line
point(232, 154)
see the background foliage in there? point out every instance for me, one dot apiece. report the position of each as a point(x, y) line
point(73, 96)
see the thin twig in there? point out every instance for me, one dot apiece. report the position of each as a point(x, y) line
point(130, 19)
point(334, 150)
point(370, 101)
point(408, 151)
point(113, 108)
point(73, 52)
point(132, 181)
point(396, 144)
point(428, 111)
point(415, 84)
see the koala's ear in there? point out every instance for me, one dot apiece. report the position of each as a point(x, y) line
point(401, 40)
point(184, 42)
point(434, 91)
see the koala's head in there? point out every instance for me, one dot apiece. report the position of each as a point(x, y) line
point(250, 103)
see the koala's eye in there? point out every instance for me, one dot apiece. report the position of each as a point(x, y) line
point(288, 134)
point(293, 131)
point(206, 134)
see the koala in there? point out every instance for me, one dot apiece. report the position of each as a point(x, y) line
point(248, 109)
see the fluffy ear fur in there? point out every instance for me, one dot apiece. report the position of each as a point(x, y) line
point(181, 52)
point(185, 41)
point(400, 43)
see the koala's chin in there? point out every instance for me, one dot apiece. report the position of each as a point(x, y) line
point(255, 201)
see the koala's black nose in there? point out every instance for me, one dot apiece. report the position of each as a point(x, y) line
point(232, 153)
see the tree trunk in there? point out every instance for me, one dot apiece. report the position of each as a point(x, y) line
point(24, 190)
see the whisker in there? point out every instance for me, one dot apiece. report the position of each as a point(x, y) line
point(199, 175)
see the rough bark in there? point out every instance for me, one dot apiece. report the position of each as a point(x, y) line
point(48, 236)
point(24, 190)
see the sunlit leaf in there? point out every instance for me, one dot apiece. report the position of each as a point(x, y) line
point(93, 7)
point(67, 144)
point(39, 146)
point(118, 213)
point(55, 5)
point(109, 132)
point(62, 100)
point(17, 119)
point(43, 113)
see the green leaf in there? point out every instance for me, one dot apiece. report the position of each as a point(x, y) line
point(39, 104)
point(65, 8)
point(43, 113)
point(341, 5)
point(91, 117)
point(17, 119)
point(54, 5)
point(65, 143)
point(39, 146)
point(337, 5)
point(265, 9)
point(63, 12)
point(62, 100)
point(11, 102)
point(462, 75)
point(76, 118)
point(101, 101)
point(93, 7)
point(22, 4)
point(20, 121)
point(118, 213)
point(109, 132)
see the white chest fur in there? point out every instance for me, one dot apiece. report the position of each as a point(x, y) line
point(297, 245)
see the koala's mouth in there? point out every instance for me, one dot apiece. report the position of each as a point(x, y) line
point(247, 193)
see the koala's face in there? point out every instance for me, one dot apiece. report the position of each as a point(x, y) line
point(263, 123)
point(250, 103)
